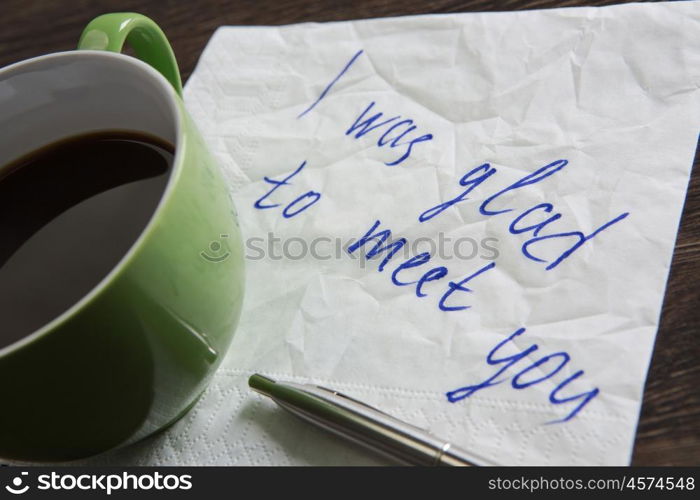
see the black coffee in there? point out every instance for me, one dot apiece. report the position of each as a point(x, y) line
point(68, 213)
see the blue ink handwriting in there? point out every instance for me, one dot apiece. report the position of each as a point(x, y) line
point(545, 368)
point(295, 207)
point(330, 85)
point(482, 173)
point(396, 131)
point(384, 245)
point(364, 125)
point(539, 223)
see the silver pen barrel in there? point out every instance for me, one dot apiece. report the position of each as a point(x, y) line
point(362, 424)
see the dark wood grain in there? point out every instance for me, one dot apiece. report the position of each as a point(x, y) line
point(669, 428)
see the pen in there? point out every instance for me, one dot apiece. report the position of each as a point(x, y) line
point(362, 424)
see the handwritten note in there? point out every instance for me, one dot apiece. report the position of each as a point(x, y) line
point(466, 220)
point(384, 246)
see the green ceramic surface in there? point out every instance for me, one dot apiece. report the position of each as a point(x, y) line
point(137, 352)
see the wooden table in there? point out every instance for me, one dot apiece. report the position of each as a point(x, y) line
point(669, 428)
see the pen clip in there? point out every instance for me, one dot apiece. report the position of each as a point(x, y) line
point(345, 396)
point(365, 405)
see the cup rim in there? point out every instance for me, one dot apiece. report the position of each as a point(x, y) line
point(175, 174)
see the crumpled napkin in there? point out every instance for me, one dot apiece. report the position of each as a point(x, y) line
point(464, 135)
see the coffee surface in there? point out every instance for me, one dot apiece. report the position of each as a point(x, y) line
point(69, 212)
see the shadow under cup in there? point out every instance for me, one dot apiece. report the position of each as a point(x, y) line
point(134, 354)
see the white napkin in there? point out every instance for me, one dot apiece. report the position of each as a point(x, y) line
point(607, 97)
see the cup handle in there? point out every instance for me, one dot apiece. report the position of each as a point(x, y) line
point(110, 31)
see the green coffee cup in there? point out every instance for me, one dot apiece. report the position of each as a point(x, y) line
point(134, 354)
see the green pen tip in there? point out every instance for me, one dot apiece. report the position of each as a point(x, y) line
point(261, 384)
